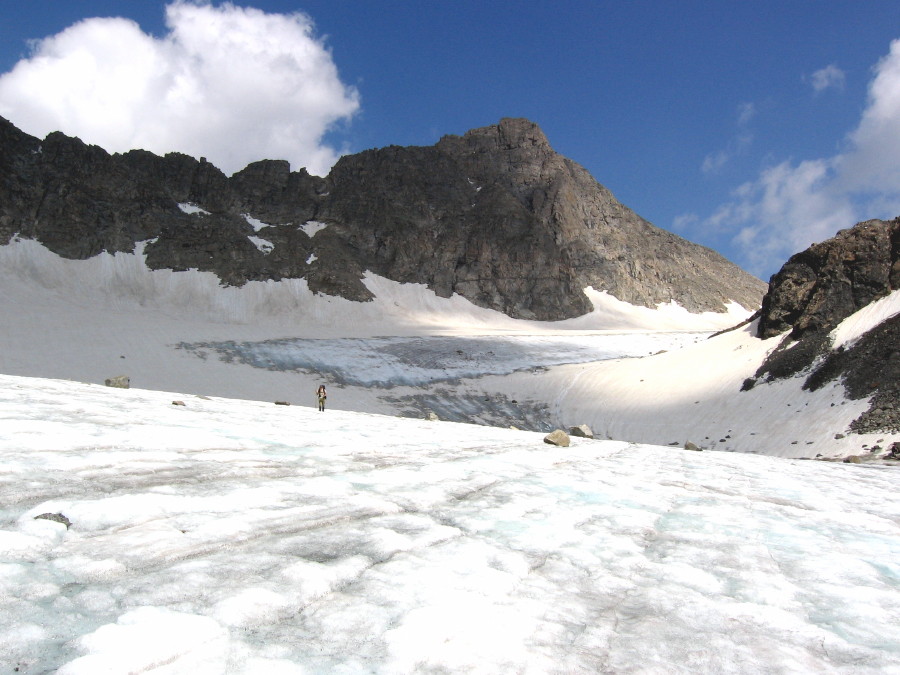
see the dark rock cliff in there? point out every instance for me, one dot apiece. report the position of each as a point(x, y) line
point(816, 290)
point(496, 216)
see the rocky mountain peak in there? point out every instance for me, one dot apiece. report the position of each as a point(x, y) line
point(495, 215)
point(510, 134)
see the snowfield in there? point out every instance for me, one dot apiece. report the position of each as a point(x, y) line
point(410, 352)
point(213, 531)
point(245, 537)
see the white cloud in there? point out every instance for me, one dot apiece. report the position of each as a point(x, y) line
point(716, 161)
point(829, 77)
point(228, 83)
point(746, 112)
point(793, 204)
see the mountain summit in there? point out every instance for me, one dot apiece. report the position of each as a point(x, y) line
point(496, 216)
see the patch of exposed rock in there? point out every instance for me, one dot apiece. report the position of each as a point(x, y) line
point(495, 215)
point(816, 290)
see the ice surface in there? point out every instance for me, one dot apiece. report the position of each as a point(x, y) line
point(417, 361)
point(238, 536)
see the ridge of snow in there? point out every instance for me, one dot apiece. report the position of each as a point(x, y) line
point(861, 322)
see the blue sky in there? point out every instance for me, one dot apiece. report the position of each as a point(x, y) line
point(754, 128)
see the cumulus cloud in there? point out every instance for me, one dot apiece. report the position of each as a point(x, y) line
point(829, 77)
point(793, 204)
point(228, 83)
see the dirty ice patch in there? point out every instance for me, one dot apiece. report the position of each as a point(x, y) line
point(417, 361)
point(192, 209)
point(312, 227)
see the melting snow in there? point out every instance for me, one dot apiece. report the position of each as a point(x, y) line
point(263, 245)
point(256, 223)
point(312, 227)
point(192, 209)
point(236, 536)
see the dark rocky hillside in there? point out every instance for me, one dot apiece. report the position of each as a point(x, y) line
point(816, 290)
point(496, 216)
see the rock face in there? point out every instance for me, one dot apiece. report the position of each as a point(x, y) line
point(496, 216)
point(813, 293)
point(818, 288)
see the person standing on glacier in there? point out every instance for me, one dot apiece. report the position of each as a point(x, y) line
point(321, 395)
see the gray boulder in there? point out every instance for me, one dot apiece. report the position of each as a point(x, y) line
point(582, 431)
point(56, 518)
point(120, 381)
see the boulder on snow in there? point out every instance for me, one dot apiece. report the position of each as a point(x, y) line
point(120, 381)
point(55, 517)
point(692, 446)
point(557, 437)
point(852, 459)
point(432, 417)
point(581, 431)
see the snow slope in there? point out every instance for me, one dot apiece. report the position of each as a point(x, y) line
point(243, 537)
point(694, 394)
point(409, 352)
point(90, 320)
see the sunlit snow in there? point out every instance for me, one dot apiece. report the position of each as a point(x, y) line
point(192, 209)
point(233, 536)
point(312, 227)
point(409, 352)
point(263, 245)
point(256, 223)
point(211, 535)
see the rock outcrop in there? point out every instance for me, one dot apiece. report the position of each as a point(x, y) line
point(495, 215)
point(816, 290)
